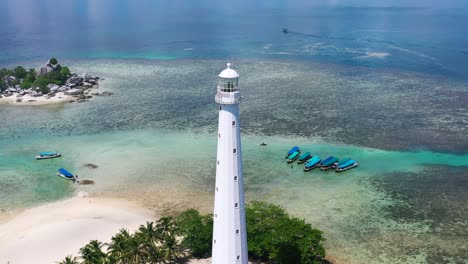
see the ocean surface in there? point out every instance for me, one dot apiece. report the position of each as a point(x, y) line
point(384, 83)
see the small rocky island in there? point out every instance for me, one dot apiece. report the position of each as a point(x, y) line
point(52, 83)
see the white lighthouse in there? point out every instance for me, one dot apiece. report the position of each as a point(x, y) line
point(229, 230)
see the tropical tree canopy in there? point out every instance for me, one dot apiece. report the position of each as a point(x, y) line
point(69, 260)
point(273, 237)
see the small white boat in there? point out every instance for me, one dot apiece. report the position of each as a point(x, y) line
point(66, 174)
point(48, 155)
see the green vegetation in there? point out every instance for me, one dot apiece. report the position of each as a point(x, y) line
point(53, 61)
point(19, 72)
point(30, 78)
point(197, 231)
point(3, 85)
point(273, 237)
point(69, 260)
point(55, 77)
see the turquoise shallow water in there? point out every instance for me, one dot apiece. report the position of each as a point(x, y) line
point(150, 156)
point(154, 141)
point(172, 170)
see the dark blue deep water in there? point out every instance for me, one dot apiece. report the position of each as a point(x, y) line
point(421, 36)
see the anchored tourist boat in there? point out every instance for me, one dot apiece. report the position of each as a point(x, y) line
point(329, 163)
point(66, 174)
point(343, 162)
point(48, 155)
point(293, 156)
point(346, 164)
point(304, 157)
point(312, 163)
point(291, 151)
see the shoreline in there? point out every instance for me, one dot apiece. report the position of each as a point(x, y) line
point(67, 226)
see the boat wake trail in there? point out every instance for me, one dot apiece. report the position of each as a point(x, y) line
point(392, 44)
point(339, 38)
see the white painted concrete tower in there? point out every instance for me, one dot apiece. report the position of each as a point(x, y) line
point(229, 230)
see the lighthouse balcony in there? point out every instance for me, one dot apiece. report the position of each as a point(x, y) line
point(228, 97)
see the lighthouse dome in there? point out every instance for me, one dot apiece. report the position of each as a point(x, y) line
point(228, 73)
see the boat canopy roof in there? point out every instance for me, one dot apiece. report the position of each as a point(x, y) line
point(347, 164)
point(48, 153)
point(305, 155)
point(295, 154)
point(294, 149)
point(65, 173)
point(329, 161)
point(313, 160)
point(343, 161)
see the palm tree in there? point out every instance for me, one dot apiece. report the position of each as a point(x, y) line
point(136, 250)
point(165, 227)
point(112, 260)
point(149, 233)
point(118, 247)
point(171, 248)
point(92, 253)
point(154, 254)
point(150, 236)
point(69, 260)
point(127, 248)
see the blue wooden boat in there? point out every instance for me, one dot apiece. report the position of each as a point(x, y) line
point(293, 156)
point(291, 151)
point(312, 163)
point(304, 157)
point(48, 155)
point(328, 163)
point(343, 166)
point(66, 174)
point(343, 162)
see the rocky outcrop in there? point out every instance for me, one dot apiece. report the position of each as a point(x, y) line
point(91, 165)
point(74, 81)
point(74, 91)
point(105, 93)
point(9, 80)
point(49, 67)
point(87, 84)
point(86, 182)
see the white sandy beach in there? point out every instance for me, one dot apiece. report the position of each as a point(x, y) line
point(41, 100)
point(48, 233)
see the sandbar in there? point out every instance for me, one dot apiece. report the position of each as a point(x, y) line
point(48, 233)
